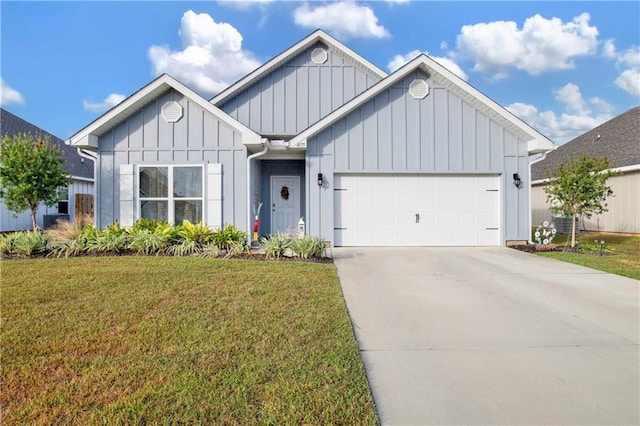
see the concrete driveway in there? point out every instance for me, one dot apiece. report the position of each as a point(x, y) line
point(492, 336)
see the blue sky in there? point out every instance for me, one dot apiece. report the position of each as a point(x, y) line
point(563, 67)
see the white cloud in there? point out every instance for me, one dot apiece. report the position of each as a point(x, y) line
point(609, 49)
point(541, 45)
point(244, 4)
point(629, 81)
point(629, 62)
point(212, 57)
point(109, 102)
point(579, 117)
point(399, 60)
point(9, 95)
point(343, 19)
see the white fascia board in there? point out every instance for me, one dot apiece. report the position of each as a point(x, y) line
point(283, 57)
point(88, 136)
point(625, 169)
point(539, 143)
point(538, 146)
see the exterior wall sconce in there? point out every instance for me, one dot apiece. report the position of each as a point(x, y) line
point(320, 179)
point(517, 181)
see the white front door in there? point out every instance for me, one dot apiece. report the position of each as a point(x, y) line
point(285, 204)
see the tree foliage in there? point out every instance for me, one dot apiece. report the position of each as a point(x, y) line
point(579, 188)
point(31, 171)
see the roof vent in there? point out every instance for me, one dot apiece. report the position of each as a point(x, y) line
point(171, 111)
point(418, 88)
point(319, 55)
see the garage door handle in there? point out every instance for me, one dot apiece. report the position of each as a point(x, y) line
point(417, 217)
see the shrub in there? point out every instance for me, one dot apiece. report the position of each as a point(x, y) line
point(107, 242)
point(210, 250)
point(238, 248)
point(145, 224)
point(228, 235)
point(145, 241)
point(25, 243)
point(196, 232)
point(184, 248)
point(275, 246)
point(64, 230)
point(309, 246)
point(68, 248)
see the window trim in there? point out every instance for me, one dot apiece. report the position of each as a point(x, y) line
point(170, 199)
point(63, 200)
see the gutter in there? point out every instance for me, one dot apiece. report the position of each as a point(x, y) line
point(267, 145)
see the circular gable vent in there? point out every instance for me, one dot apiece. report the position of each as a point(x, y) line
point(418, 88)
point(319, 55)
point(171, 111)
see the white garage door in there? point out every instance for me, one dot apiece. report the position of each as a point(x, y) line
point(417, 210)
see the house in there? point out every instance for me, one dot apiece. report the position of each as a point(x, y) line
point(618, 140)
point(79, 169)
point(416, 157)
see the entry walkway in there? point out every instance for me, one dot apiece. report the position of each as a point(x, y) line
point(492, 336)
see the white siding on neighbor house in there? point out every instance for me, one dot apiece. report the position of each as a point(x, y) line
point(292, 97)
point(624, 206)
point(23, 221)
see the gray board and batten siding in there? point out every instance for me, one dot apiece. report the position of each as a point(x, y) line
point(197, 138)
point(395, 133)
point(300, 92)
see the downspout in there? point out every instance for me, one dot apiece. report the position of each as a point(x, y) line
point(544, 155)
point(90, 155)
point(265, 149)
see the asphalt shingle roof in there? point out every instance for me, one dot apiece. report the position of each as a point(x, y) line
point(11, 124)
point(618, 140)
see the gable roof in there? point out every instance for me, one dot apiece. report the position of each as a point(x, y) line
point(88, 136)
point(618, 140)
point(536, 142)
point(74, 165)
point(288, 54)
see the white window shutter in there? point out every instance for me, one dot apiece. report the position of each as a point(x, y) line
point(214, 195)
point(127, 189)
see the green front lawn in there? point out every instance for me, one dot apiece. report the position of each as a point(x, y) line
point(153, 340)
point(622, 253)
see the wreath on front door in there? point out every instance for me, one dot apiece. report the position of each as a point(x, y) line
point(284, 193)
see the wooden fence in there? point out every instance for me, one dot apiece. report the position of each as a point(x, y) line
point(84, 208)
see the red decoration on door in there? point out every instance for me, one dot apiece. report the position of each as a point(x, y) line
point(284, 193)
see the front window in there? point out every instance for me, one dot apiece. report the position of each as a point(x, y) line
point(63, 200)
point(183, 202)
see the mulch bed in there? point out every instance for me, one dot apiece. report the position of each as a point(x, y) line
point(250, 256)
point(530, 248)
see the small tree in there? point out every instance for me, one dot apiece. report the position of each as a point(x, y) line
point(31, 171)
point(579, 188)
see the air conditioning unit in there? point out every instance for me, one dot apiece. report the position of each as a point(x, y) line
point(563, 224)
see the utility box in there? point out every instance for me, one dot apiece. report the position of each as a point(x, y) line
point(49, 220)
point(563, 225)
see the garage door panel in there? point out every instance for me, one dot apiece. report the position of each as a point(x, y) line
point(380, 210)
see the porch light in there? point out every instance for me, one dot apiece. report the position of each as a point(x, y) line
point(320, 179)
point(516, 180)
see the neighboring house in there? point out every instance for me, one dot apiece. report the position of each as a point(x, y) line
point(80, 170)
point(619, 141)
point(416, 157)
